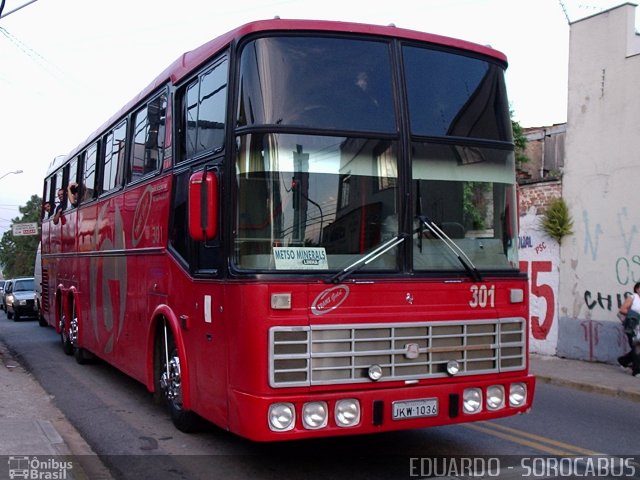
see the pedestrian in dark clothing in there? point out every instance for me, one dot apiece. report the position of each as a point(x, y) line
point(630, 316)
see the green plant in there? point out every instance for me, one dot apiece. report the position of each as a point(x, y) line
point(556, 221)
point(520, 143)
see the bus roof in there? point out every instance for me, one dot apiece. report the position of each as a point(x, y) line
point(189, 61)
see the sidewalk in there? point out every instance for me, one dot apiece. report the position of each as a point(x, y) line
point(32, 425)
point(588, 376)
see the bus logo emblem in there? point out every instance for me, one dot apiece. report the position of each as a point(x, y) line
point(329, 299)
point(412, 351)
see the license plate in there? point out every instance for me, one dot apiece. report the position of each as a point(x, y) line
point(424, 407)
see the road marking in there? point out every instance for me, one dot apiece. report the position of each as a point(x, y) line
point(547, 445)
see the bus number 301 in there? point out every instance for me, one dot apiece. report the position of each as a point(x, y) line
point(482, 296)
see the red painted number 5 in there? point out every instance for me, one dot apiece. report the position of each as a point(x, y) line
point(540, 330)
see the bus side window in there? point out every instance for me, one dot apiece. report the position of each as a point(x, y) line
point(204, 106)
point(47, 208)
point(148, 138)
point(89, 174)
point(113, 158)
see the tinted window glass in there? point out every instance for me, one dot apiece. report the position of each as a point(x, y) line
point(148, 138)
point(89, 176)
point(191, 120)
point(317, 82)
point(212, 109)
point(113, 155)
point(455, 95)
point(205, 109)
point(72, 188)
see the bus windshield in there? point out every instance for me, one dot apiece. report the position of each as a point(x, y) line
point(321, 166)
point(314, 202)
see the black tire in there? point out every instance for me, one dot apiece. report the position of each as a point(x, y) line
point(170, 387)
point(65, 339)
point(83, 356)
point(42, 322)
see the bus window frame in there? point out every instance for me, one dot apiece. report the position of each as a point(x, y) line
point(128, 173)
point(119, 171)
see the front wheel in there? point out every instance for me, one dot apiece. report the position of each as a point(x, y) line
point(169, 382)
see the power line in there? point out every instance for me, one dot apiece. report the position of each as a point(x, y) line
point(15, 9)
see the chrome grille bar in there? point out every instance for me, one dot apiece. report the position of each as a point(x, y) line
point(338, 354)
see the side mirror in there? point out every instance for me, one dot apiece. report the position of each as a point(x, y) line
point(203, 206)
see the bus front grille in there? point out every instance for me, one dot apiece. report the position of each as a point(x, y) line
point(333, 354)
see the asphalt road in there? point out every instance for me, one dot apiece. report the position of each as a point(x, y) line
point(136, 439)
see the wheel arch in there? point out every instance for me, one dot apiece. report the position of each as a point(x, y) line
point(163, 313)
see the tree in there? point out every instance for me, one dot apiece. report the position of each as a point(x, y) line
point(18, 253)
point(520, 142)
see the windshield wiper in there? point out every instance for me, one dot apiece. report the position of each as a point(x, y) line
point(367, 259)
point(468, 265)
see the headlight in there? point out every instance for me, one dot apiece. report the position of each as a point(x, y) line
point(472, 400)
point(282, 417)
point(375, 372)
point(495, 397)
point(517, 394)
point(453, 367)
point(314, 415)
point(22, 302)
point(347, 412)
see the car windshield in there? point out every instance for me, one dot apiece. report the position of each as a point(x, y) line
point(24, 285)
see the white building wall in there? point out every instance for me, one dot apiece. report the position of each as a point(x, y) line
point(601, 184)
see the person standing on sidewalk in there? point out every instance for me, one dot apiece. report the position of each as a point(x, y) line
point(630, 315)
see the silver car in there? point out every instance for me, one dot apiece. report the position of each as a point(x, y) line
point(20, 298)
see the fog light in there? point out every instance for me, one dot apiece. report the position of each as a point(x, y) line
point(517, 394)
point(453, 367)
point(375, 372)
point(472, 400)
point(347, 412)
point(282, 417)
point(314, 415)
point(495, 397)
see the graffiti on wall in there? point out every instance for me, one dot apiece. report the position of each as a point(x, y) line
point(539, 258)
point(626, 267)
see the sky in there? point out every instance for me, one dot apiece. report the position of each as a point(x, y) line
point(66, 66)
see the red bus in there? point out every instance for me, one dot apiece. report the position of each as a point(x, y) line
point(301, 229)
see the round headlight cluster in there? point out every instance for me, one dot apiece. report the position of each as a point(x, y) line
point(517, 394)
point(472, 400)
point(282, 417)
point(347, 412)
point(495, 397)
point(314, 415)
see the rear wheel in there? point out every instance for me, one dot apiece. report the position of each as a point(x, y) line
point(82, 355)
point(169, 382)
point(66, 334)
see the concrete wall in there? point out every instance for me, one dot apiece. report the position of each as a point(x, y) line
point(540, 258)
point(601, 261)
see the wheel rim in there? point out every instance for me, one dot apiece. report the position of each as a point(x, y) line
point(170, 381)
point(63, 333)
point(73, 327)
